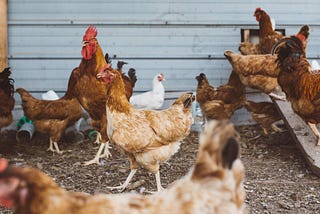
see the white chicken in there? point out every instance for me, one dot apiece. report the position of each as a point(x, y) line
point(151, 99)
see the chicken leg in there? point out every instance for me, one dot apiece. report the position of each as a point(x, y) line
point(158, 180)
point(98, 139)
point(106, 154)
point(56, 147)
point(315, 131)
point(126, 183)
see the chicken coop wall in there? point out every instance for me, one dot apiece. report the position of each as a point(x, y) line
point(178, 38)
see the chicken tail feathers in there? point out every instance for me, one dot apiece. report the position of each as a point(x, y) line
point(133, 76)
point(219, 149)
point(107, 58)
point(228, 54)
point(6, 83)
point(304, 30)
point(25, 95)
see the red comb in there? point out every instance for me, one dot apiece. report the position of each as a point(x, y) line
point(106, 66)
point(301, 37)
point(3, 164)
point(91, 32)
point(258, 9)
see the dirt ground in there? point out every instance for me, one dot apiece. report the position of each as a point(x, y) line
point(277, 177)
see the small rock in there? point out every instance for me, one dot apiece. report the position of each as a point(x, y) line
point(300, 175)
point(295, 197)
point(285, 205)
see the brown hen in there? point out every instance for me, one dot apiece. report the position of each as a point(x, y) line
point(265, 114)
point(220, 103)
point(52, 117)
point(267, 36)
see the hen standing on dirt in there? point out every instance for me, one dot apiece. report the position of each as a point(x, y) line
point(52, 116)
point(147, 137)
point(6, 98)
point(220, 103)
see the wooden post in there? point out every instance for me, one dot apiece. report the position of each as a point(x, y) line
point(3, 34)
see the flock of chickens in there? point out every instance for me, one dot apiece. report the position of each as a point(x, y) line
point(149, 137)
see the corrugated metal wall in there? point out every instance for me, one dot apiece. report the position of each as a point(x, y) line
point(178, 38)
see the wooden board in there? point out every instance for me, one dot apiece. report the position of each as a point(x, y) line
point(302, 134)
point(3, 34)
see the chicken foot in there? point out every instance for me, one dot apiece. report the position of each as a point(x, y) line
point(126, 183)
point(98, 139)
point(276, 128)
point(315, 131)
point(56, 147)
point(106, 154)
point(103, 147)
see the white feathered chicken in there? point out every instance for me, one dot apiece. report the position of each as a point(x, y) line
point(152, 99)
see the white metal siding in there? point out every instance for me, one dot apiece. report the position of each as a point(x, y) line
point(178, 38)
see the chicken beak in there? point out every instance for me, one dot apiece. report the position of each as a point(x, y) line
point(84, 43)
point(100, 75)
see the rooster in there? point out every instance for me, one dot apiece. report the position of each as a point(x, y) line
point(300, 84)
point(91, 92)
point(264, 113)
point(220, 103)
point(52, 116)
point(7, 100)
point(151, 99)
point(214, 185)
point(147, 137)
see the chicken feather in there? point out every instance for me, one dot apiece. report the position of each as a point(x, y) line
point(301, 85)
point(147, 137)
point(7, 100)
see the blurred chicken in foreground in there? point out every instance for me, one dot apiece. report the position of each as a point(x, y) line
point(6, 98)
point(220, 103)
point(265, 114)
point(214, 185)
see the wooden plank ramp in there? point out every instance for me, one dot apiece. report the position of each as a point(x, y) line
point(302, 134)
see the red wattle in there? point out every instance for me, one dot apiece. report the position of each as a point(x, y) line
point(6, 203)
point(3, 164)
